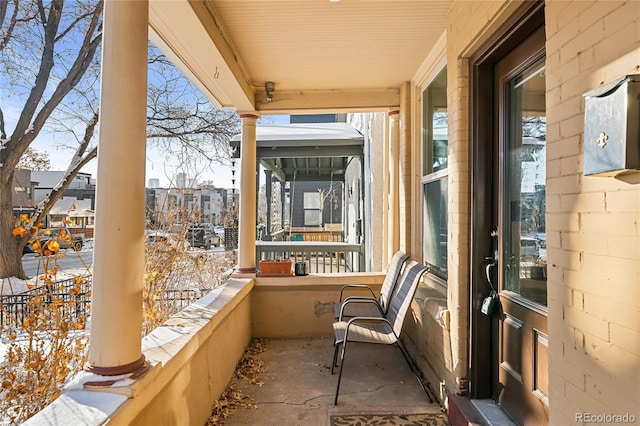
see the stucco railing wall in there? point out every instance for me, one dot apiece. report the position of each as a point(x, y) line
point(193, 357)
point(301, 306)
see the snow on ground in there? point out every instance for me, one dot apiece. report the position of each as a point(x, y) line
point(14, 285)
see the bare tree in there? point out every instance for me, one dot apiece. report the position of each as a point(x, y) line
point(46, 50)
point(182, 124)
point(50, 59)
point(32, 159)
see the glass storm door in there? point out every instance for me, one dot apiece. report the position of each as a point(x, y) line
point(519, 232)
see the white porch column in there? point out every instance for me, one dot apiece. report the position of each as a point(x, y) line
point(248, 195)
point(118, 265)
point(405, 177)
point(394, 183)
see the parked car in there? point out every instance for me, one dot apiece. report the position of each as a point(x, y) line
point(529, 247)
point(46, 238)
point(219, 230)
point(164, 241)
point(199, 236)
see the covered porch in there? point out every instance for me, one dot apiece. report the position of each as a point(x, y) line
point(175, 374)
point(377, 383)
point(193, 357)
point(390, 65)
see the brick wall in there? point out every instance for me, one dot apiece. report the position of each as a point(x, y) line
point(593, 223)
point(466, 25)
point(593, 235)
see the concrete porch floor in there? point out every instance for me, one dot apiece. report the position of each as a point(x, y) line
point(299, 388)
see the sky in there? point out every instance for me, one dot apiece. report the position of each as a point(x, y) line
point(156, 166)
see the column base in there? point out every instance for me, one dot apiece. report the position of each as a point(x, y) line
point(246, 270)
point(137, 369)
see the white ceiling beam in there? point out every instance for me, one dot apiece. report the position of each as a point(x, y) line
point(187, 34)
point(334, 101)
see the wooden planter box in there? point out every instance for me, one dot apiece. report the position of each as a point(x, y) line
point(275, 268)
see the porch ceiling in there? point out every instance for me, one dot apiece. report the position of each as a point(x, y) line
point(306, 152)
point(350, 55)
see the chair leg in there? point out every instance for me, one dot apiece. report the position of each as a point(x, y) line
point(342, 353)
point(336, 346)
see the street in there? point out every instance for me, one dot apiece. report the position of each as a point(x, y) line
point(33, 263)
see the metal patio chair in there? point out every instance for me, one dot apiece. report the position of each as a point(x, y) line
point(362, 306)
point(383, 330)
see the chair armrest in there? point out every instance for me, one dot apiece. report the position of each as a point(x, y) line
point(361, 286)
point(360, 298)
point(356, 299)
point(367, 320)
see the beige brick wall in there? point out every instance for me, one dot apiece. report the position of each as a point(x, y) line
point(467, 25)
point(592, 222)
point(444, 349)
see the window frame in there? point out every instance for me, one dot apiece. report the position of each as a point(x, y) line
point(317, 210)
point(428, 177)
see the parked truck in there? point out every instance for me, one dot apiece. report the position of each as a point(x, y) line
point(203, 237)
point(65, 239)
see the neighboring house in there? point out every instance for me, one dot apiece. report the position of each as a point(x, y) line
point(316, 204)
point(318, 118)
point(79, 197)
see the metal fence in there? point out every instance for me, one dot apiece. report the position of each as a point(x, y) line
point(73, 297)
point(177, 300)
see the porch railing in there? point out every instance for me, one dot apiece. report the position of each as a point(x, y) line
point(321, 256)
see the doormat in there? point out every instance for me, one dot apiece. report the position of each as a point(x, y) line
point(430, 419)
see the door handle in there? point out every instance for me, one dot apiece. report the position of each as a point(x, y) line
point(491, 262)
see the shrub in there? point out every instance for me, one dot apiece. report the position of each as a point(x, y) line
point(47, 342)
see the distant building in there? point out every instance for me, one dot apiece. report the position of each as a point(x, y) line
point(80, 195)
point(171, 206)
point(22, 192)
point(318, 118)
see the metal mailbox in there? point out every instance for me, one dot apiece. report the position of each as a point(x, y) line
point(612, 128)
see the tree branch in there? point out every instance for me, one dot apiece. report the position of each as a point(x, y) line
point(21, 137)
point(3, 134)
point(72, 25)
point(4, 4)
point(78, 69)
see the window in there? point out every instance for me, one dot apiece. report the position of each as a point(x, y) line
point(24, 189)
point(435, 145)
point(311, 209)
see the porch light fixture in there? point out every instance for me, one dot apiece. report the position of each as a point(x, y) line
point(269, 87)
